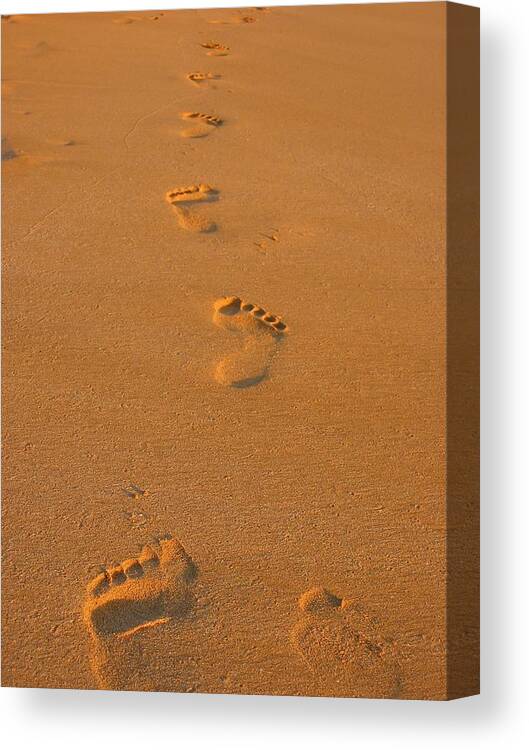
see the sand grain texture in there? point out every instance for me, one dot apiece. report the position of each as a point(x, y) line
point(224, 287)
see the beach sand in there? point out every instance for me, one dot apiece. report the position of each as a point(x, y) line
point(224, 351)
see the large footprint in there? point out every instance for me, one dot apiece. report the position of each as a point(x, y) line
point(344, 648)
point(179, 197)
point(126, 604)
point(261, 332)
point(203, 124)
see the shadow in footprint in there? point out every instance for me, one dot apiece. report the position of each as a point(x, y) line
point(216, 49)
point(125, 611)
point(202, 124)
point(261, 333)
point(201, 78)
point(180, 200)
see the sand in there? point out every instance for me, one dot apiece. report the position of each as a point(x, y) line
point(224, 351)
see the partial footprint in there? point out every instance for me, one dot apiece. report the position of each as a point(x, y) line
point(201, 78)
point(216, 49)
point(261, 333)
point(234, 20)
point(191, 193)
point(187, 219)
point(123, 19)
point(204, 124)
point(41, 49)
point(344, 648)
point(129, 599)
point(8, 152)
point(134, 492)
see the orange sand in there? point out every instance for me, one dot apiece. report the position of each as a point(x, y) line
point(156, 164)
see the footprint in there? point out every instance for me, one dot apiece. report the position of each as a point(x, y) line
point(8, 152)
point(123, 19)
point(200, 78)
point(234, 20)
point(140, 592)
point(127, 601)
point(41, 49)
point(187, 219)
point(261, 331)
point(63, 142)
point(191, 193)
point(134, 492)
point(344, 648)
point(136, 518)
point(203, 124)
point(216, 49)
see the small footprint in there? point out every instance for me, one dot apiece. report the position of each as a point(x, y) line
point(263, 244)
point(40, 50)
point(200, 78)
point(124, 20)
point(235, 20)
point(136, 518)
point(344, 648)
point(187, 219)
point(134, 492)
point(64, 142)
point(133, 598)
point(216, 49)
point(261, 332)
point(203, 124)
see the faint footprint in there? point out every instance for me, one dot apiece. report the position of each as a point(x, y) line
point(134, 492)
point(261, 332)
point(264, 244)
point(216, 49)
point(201, 78)
point(41, 49)
point(63, 142)
point(190, 220)
point(234, 20)
point(344, 648)
point(203, 124)
point(126, 601)
point(8, 152)
point(124, 19)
